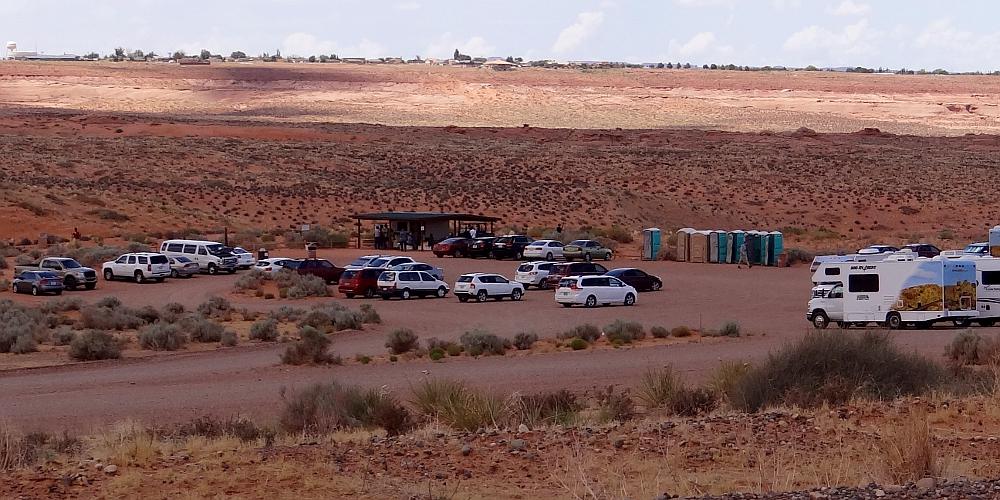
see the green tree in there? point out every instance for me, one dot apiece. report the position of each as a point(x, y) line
point(312, 59)
point(119, 54)
point(238, 55)
point(205, 54)
point(811, 68)
point(178, 55)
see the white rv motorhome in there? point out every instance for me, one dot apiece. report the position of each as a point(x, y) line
point(852, 257)
point(988, 292)
point(900, 290)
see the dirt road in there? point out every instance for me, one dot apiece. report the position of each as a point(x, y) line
point(769, 304)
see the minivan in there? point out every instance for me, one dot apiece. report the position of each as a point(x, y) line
point(211, 256)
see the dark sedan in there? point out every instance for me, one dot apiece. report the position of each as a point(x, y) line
point(38, 283)
point(481, 247)
point(510, 246)
point(637, 278)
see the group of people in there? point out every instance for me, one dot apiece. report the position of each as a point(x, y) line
point(402, 240)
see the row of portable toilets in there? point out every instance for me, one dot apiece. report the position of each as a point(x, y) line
point(723, 247)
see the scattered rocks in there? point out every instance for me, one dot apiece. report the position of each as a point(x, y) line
point(466, 450)
point(523, 428)
point(926, 483)
point(517, 444)
point(111, 469)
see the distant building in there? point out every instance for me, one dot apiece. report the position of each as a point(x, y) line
point(354, 60)
point(193, 61)
point(499, 65)
point(35, 56)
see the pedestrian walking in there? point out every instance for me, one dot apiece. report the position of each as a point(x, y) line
point(744, 255)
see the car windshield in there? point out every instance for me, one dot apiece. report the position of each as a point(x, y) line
point(579, 243)
point(361, 261)
point(387, 276)
point(47, 275)
point(239, 250)
point(215, 249)
point(975, 248)
point(524, 268)
point(465, 279)
point(182, 260)
point(349, 274)
point(379, 262)
point(566, 283)
point(158, 259)
point(70, 264)
point(452, 240)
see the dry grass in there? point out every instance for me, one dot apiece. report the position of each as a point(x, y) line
point(908, 449)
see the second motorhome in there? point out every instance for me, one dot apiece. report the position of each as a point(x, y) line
point(900, 290)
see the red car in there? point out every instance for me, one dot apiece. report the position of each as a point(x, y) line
point(319, 267)
point(360, 282)
point(455, 247)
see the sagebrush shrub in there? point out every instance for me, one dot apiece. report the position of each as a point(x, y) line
point(322, 408)
point(203, 330)
point(624, 331)
point(585, 331)
point(312, 348)
point(403, 340)
point(969, 348)
point(265, 330)
point(659, 332)
point(479, 342)
point(93, 345)
point(162, 336)
point(524, 341)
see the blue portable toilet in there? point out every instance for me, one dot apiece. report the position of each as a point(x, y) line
point(713, 247)
point(650, 243)
point(736, 239)
point(723, 247)
point(762, 256)
point(777, 246)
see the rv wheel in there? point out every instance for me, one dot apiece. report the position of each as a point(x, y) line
point(987, 322)
point(821, 320)
point(961, 323)
point(893, 321)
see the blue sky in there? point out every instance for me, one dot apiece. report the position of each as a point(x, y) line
point(955, 35)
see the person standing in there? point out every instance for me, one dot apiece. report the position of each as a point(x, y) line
point(559, 229)
point(378, 236)
point(744, 255)
point(472, 232)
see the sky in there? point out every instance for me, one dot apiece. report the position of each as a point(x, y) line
point(957, 35)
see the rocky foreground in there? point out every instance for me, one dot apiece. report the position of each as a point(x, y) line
point(959, 488)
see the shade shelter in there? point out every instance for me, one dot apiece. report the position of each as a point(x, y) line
point(427, 226)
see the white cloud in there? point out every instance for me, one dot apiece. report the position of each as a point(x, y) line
point(701, 44)
point(587, 23)
point(407, 6)
point(853, 40)
point(851, 8)
point(703, 3)
point(786, 4)
point(977, 50)
point(445, 45)
point(305, 44)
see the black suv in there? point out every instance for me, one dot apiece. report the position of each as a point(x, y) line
point(481, 247)
point(923, 249)
point(510, 246)
point(560, 271)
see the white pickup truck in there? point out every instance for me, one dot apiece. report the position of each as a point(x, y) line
point(72, 272)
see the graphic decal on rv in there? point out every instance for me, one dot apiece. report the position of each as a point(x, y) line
point(927, 290)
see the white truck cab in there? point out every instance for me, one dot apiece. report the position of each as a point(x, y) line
point(826, 305)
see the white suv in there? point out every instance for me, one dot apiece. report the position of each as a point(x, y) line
point(592, 291)
point(407, 284)
point(482, 286)
point(138, 266)
point(533, 273)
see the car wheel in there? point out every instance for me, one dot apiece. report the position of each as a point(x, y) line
point(441, 292)
point(212, 269)
point(482, 296)
point(108, 275)
point(70, 283)
point(548, 256)
point(609, 256)
point(139, 278)
point(174, 274)
point(458, 254)
point(369, 293)
point(493, 255)
point(587, 257)
point(516, 294)
point(893, 321)
point(34, 290)
point(405, 294)
point(656, 286)
point(820, 320)
point(591, 301)
point(630, 299)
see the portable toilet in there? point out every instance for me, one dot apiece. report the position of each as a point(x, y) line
point(713, 247)
point(736, 239)
point(762, 246)
point(776, 246)
point(753, 247)
point(683, 244)
point(699, 247)
point(724, 253)
point(995, 241)
point(650, 243)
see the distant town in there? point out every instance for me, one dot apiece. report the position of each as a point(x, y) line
point(206, 57)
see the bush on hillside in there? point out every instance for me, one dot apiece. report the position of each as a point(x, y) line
point(93, 345)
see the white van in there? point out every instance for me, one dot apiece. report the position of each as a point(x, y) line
point(900, 290)
point(212, 257)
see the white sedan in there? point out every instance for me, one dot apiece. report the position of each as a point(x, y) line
point(592, 291)
point(271, 266)
point(544, 249)
point(483, 286)
point(244, 259)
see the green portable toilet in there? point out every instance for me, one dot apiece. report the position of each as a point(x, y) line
point(736, 239)
point(650, 243)
point(776, 246)
point(762, 256)
point(713, 247)
point(724, 252)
